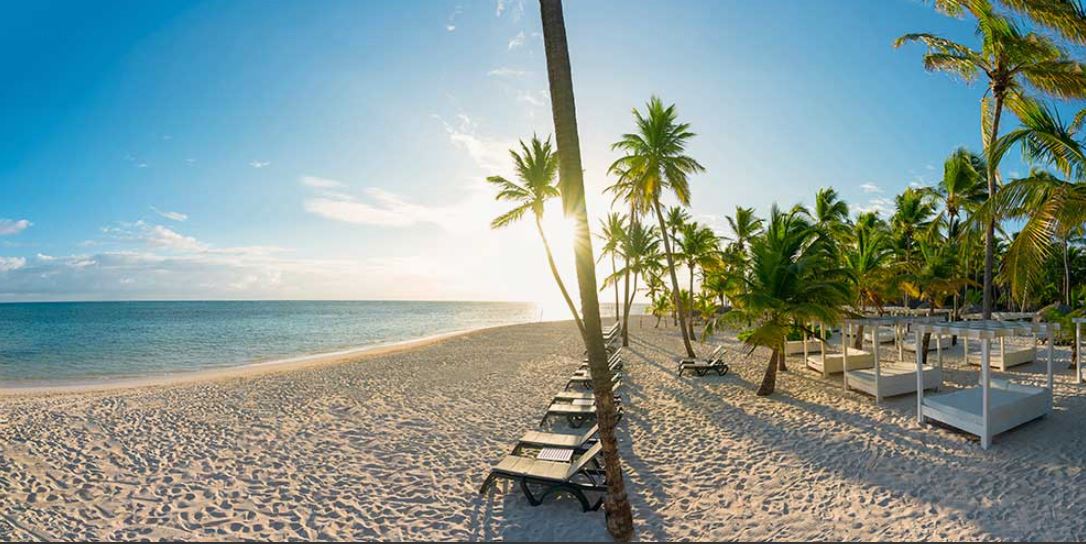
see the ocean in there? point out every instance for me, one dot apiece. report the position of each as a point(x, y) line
point(76, 342)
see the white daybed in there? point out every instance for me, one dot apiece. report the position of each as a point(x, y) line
point(888, 378)
point(834, 363)
point(886, 335)
point(994, 406)
point(1008, 354)
point(795, 347)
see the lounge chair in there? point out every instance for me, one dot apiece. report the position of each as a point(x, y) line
point(701, 367)
point(581, 475)
point(540, 439)
point(569, 396)
point(614, 361)
point(576, 412)
point(584, 378)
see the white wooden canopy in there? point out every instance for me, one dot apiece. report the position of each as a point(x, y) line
point(873, 384)
point(1014, 404)
point(1001, 316)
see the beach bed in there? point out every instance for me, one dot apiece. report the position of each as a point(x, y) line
point(713, 363)
point(895, 378)
point(834, 363)
point(996, 405)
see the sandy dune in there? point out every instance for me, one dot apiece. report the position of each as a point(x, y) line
point(394, 446)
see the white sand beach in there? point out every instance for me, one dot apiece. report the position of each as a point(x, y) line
point(394, 445)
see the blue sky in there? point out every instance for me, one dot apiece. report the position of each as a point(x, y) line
point(190, 150)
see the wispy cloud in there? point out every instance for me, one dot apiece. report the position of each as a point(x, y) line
point(871, 188)
point(489, 153)
point(379, 207)
point(173, 216)
point(259, 164)
point(153, 235)
point(882, 206)
point(507, 72)
point(450, 22)
point(537, 99)
point(321, 183)
point(517, 40)
point(500, 7)
point(7, 264)
point(9, 226)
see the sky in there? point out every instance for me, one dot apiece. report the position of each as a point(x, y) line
point(291, 150)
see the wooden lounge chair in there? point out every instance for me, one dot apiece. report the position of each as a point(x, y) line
point(540, 439)
point(569, 396)
point(576, 412)
point(701, 367)
point(585, 379)
point(614, 361)
point(583, 474)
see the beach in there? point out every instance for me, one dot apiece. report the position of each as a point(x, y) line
point(393, 445)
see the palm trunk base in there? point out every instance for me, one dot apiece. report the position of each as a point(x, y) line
point(769, 381)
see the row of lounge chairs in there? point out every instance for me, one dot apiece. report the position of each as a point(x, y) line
point(554, 462)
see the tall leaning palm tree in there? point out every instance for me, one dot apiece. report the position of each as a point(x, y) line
point(655, 161)
point(612, 231)
point(536, 166)
point(571, 186)
point(1013, 61)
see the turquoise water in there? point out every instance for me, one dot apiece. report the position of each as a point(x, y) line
point(88, 341)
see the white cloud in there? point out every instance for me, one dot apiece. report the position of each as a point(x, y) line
point(882, 206)
point(517, 40)
point(7, 264)
point(10, 226)
point(500, 8)
point(153, 235)
point(450, 28)
point(490, 154)
point(450, 23)
point(537, 99)
point(321, 183)
point(259, 164)
point(173, 216)
point(44, 257)
point(871, 188)
point(507, 72)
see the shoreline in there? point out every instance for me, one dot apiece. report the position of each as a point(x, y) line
point(245, 370)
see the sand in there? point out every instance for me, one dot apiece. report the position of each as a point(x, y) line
point(394, 445)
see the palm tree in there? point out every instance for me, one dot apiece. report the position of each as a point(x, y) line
point(676, 217)
point(912, 220)
point(745, 225)
point(571, 185)
point(962, 187)
point(932, 277)
point(1013, 62)
point(830, 212)
point(656, 161)
point(793, 279)
point(612, 231)
point(868, 261)
point(1054, 210)
point(640, 250)
point(536, 167)
point(698, 247)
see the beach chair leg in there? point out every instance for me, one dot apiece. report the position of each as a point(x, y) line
point(487, 483)
point(722, 369)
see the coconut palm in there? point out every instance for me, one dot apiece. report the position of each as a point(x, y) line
point(793, 279)
point(868, 262)
point(698, 246)
point(571, 184)
point(830, 212)
point(912, 221)
point(932, 277)
point(1054, 210)
point(612, 231)
point(962, 187)
point(536, 166)
point(640, 250)
point(656, 162)
point(1014, 62)
point(675, 218)
point(745, 225)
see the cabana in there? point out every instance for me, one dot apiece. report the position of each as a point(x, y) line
point(994, 406)
point(807, 345)
point(891, 378)
point(1009, 353)
point(1078, 321)
point(834, 363)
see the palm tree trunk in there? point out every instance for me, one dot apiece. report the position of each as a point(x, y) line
point(769, 381)
point(571, 183)
point(989, 231)
point(626, 280)
point(674, 279)
point(1066, 274)
point(691, 322)
point(616, 287)
point(629, 301)
point(558, 278)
